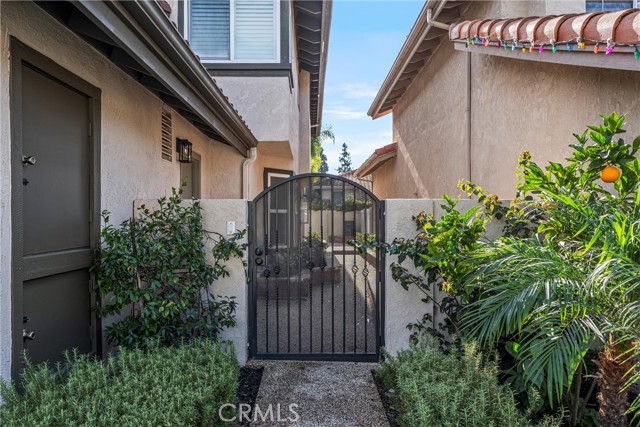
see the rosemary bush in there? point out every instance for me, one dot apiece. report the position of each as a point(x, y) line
point(160, 386)
point(460, 388)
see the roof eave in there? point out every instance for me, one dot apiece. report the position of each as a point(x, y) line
point(416, 36)
point(376, 160)
point(142, 30)
point(327, 8)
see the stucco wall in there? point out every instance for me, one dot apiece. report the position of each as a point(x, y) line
point(428, 126)
point(250, 96)
point(401, 307)
point(131, 167)
point(516, 105)
point(406, 306)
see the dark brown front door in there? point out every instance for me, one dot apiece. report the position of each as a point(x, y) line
point(55, 217)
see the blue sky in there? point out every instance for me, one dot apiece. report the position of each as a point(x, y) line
point(366, 37)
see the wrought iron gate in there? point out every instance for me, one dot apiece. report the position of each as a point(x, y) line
point(313, 296)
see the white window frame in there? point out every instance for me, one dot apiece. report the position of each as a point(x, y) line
point(232, 36)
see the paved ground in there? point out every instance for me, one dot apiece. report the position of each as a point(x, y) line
point(327, 394)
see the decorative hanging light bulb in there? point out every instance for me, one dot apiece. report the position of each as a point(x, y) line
point(568, 47)
point(513, 47)
point(473, 41)
point(554, 48)
point(581, 44)
point(531, 49)
point(596, 49)
point(524, 49)
point(609, 50)
point(499, 45)
point(636, 54)
point(541, 48)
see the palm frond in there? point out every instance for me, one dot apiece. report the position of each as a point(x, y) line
point(551, 349)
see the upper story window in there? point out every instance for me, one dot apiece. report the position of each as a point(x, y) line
point(610, 5)
point(234, 30)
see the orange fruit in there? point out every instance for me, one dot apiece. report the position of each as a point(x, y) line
point(610, 174)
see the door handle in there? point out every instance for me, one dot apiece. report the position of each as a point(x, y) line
point(28, 335)
point(28, 160)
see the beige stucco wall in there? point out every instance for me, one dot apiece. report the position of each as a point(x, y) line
point(516, 105)
point(131, 165)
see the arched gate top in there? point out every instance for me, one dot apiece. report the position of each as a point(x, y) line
point(303, 176)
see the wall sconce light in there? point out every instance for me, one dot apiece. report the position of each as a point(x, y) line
point(185, 150)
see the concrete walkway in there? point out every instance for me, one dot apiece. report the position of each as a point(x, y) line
point(326, 393)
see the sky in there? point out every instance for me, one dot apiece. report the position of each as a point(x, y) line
point(365, 39)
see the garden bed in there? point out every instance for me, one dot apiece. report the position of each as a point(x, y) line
point(384, 391)
point(248, 386)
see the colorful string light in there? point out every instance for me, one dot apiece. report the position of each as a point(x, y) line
point(579, 43)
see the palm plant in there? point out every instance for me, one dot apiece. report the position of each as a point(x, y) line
point(317, 152)
point(572, 285)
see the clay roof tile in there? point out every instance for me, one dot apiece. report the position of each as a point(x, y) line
point(621, 27)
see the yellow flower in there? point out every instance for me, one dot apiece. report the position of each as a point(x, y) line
point(525, 157)
point(446, 286)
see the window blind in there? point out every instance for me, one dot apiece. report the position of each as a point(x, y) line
point(210, 28)
point(608, 5)
point(255, 30)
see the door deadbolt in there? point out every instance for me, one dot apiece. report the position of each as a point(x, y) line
point(28, 335)
point(28, 160)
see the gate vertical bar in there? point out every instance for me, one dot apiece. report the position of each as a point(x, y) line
point(276, 270)
point(300, 225)
point(365, 273)
point(310, 210)
point(322, 266)
point(354, 269)
point(266, 214)
point(333, 286)
point(380, 262)
point(289, 249)
point(344, 270)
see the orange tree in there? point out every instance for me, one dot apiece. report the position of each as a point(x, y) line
point(565, 280)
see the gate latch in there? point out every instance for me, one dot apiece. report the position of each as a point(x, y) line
point(28, 335)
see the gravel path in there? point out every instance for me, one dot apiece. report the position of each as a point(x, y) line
point(326, 393)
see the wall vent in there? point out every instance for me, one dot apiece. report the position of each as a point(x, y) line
point(167, 139)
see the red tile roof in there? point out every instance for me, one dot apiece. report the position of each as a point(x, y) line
point(613, 28)
point(377, 159)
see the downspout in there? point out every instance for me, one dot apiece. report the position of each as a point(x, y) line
point(246, 185)
point(467, 113)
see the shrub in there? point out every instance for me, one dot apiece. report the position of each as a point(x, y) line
point(432, 388)
point(155, 264)
point(161, 386)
